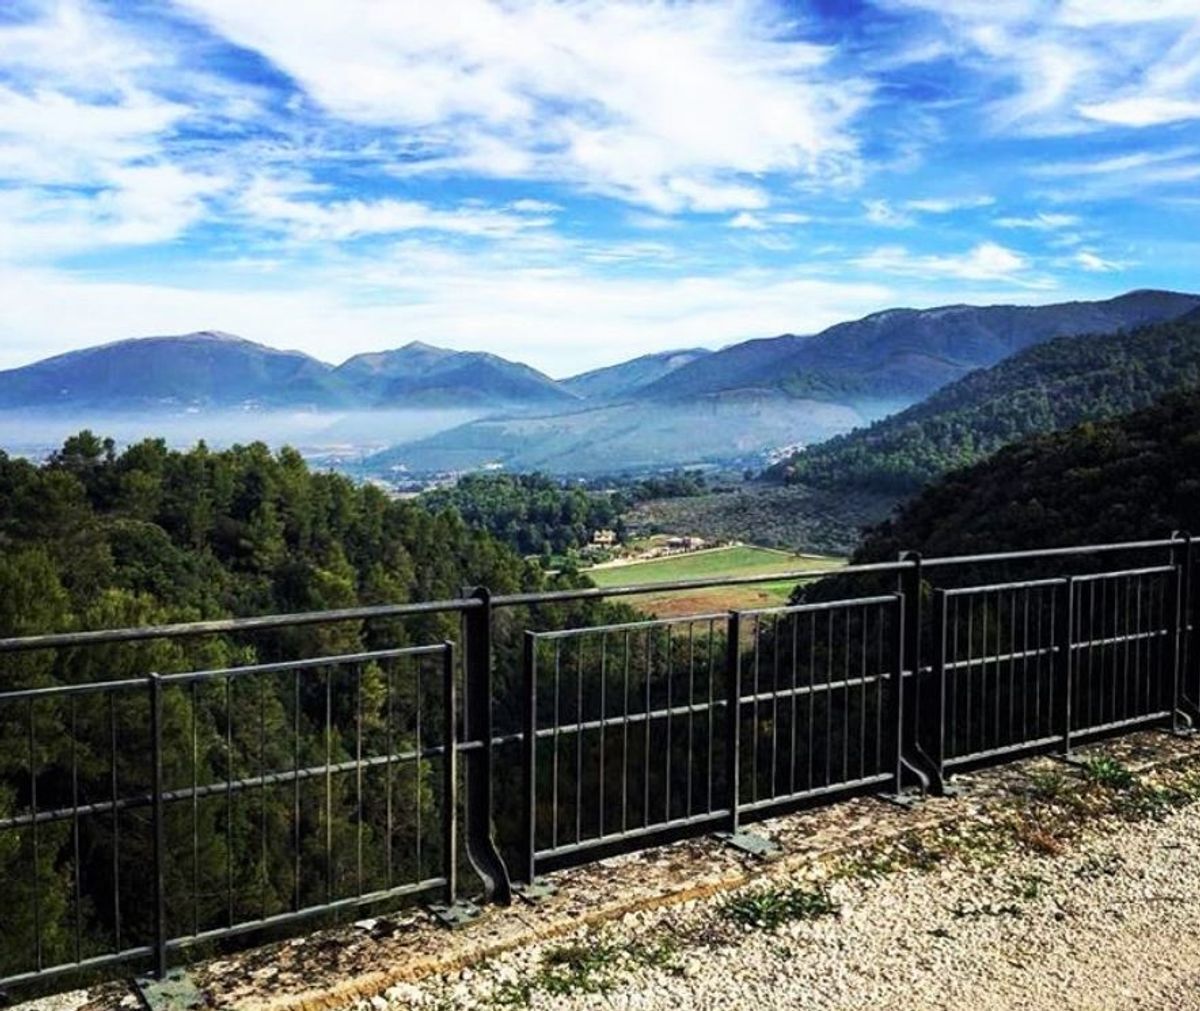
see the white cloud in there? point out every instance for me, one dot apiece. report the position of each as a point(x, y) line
point(948, 205)
point(748, 221)
point(669, 106)
point(1065, 67)
point(1040, 222)
point(272, 203)
point(986, 261)
point(1142, 110)
point(1092, 262)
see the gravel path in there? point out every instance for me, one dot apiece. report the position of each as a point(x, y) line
point(1114, 923)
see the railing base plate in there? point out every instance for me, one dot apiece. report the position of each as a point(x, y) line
point(457, 914)
point(748, 842)
point(906, 799)
point(174, 992)
point(537, 890)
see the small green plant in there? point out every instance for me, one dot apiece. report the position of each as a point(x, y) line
point(768, 908)
point(590, 966)
point(1050, 785)
point(1108, 773)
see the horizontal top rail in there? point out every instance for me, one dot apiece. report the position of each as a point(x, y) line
point(1082, 549)
point(59, 640)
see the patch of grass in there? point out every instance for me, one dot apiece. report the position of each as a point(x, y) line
point(1108, 773)
point(769, 908)
point(590, 966)
point(1028, 887)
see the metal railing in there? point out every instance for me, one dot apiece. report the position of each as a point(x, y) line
point(146, 817)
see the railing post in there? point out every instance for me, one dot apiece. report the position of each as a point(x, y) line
point(477, 770)
point(1181, 560)
point(939, 674)
point(154, 683)
point(450, 780)
point(733, 714)
point(1066, 659)
point(529, 759)
point(925, 769)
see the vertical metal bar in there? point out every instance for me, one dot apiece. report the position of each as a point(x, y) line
point(1067, 660)
point(845, 720)
point(911, 583)
point(154, 683)
point(1174, 638)
point(646, 732)
point(529, 758)
point(195, 693)
point(580, 640)
point(733, 714)
point(229, 799)
point(556, 726)
point(77, 903)
point(358, 778)
point(794, 684)
point(329, 784)
point(477, 769)
point(37, 856)
point(756, 638)
point(116, 820)
point(670, 720)
point(625, 741)
point(691, 713)
point(711, 738)
point(262, 796)
point(418, 766)
point(898, 694)
point(812, 695)
point(603, 723)
point(296, 850)
point(862, 691)
point(450, 779)
point(774, 705)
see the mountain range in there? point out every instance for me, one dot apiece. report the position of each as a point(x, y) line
point(662, 409)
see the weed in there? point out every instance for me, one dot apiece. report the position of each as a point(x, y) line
point(1050, 786)
point(1109, 773)
point(770, 907)
point(591, 966)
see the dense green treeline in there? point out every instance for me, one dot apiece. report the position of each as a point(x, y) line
point(94, 538)
point(532, 513)
point(1045, 388)
point(1128, 478)
point(540, 515)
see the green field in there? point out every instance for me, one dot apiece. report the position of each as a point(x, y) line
point(734, 561)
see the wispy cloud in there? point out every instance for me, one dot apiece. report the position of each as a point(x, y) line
point(1040, 222)
point(987, 261)
point(669, 106)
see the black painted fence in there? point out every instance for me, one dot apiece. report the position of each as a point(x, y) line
point(148, 818)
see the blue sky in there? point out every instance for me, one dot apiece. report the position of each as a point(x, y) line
point(571, 184)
